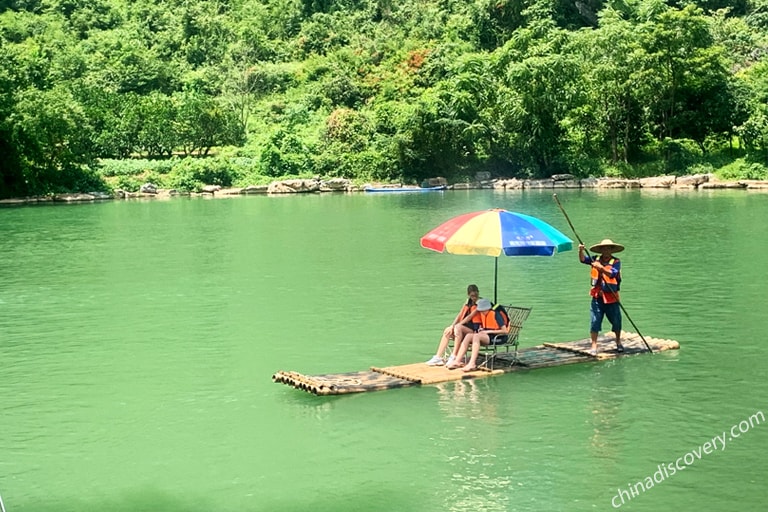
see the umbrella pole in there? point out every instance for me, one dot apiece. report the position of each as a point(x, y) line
point(495, 276)
point(609, 286)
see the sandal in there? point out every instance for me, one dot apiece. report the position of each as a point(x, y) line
point(619, 348)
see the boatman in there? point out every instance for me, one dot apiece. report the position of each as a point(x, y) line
point(605, 281)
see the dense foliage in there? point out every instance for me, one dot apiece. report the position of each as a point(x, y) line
point(377, 90)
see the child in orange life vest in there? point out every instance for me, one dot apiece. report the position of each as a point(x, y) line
point(492, 321)
point(462, 325)
point(605, 280)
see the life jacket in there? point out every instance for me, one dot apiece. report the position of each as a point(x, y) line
point(605, 286)
point(466, 309)
point(495, 318)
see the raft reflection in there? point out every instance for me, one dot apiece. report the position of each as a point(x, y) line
point(478, 479)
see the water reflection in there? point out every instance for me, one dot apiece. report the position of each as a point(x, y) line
point(462, 398)
point(479, 491)
point(604, 407)
point(302, 404)
point(479, 479)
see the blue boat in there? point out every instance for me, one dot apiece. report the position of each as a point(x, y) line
point(406, 189)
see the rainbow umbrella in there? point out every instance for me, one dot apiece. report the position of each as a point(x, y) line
point(496, 232)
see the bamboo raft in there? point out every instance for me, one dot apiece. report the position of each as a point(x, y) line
point(530, 358)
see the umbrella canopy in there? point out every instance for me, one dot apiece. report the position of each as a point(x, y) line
point(496, 232)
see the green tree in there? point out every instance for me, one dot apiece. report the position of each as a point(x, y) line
point(53, 135)
point(85, 16)
point(681, 63)
point(11, 172)
point(538, 91)
point(156, 135)
point(202, 123)
point(114, 117)
point(608, 120)
point(122, 60)
point(754, 130)
point(206, 32)
point(285, 154)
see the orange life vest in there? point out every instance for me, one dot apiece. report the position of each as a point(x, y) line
point(466, 310)
point(493, 319)
point(605, 286)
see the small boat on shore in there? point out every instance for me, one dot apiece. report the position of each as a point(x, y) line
point(406, 189)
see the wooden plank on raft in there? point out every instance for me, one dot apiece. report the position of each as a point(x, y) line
point(606, 346)
point(546, 355)
point(423, 374)
point(340, 383)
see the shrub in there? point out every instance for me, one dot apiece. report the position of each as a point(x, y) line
point(679, 154)
point(192, 174)
point(128, 183)
point(285, 155)
point(79, 178)
point(134, 167)
point(270, 78)
point(702, 168)
point(743, 170)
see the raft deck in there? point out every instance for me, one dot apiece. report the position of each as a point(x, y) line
point(530, 358)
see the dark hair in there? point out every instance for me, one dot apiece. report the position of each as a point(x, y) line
point(472, 288)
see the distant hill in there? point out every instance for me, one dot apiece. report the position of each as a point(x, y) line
point(244, 91)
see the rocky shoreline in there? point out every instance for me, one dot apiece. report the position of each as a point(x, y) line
point(483, 181)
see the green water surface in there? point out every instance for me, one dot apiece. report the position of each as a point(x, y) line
point(138, 341)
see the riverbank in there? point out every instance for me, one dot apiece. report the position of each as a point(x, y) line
point(317, 185)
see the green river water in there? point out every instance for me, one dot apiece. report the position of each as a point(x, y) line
point(138, 341)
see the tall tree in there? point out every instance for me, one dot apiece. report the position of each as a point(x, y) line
point(539, 87)
point(610, 118)
point(682, 63)
point(54, 136)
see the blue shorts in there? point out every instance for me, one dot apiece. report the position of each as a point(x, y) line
point(599, 309)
